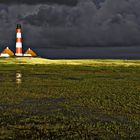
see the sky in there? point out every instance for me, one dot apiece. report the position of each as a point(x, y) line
point(73, 28)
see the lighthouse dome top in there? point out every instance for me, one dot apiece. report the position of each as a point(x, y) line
point(18, 26)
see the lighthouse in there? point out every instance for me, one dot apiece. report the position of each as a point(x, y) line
point(18, 41)
point(19, 52)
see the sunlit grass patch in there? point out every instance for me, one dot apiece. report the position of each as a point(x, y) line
point(86, 62)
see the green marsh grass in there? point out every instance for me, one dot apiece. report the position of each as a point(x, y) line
point(68, 101)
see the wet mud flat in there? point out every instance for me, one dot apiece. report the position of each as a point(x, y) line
point(69, 102)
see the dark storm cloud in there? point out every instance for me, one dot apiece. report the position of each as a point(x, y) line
point(115, 23)
point(32, 2)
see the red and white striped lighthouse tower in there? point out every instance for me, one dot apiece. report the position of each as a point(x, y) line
point(18, 41)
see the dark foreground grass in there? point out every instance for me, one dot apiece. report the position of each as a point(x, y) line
point(69, 102)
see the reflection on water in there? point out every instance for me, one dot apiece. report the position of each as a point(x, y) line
point(18, 77)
